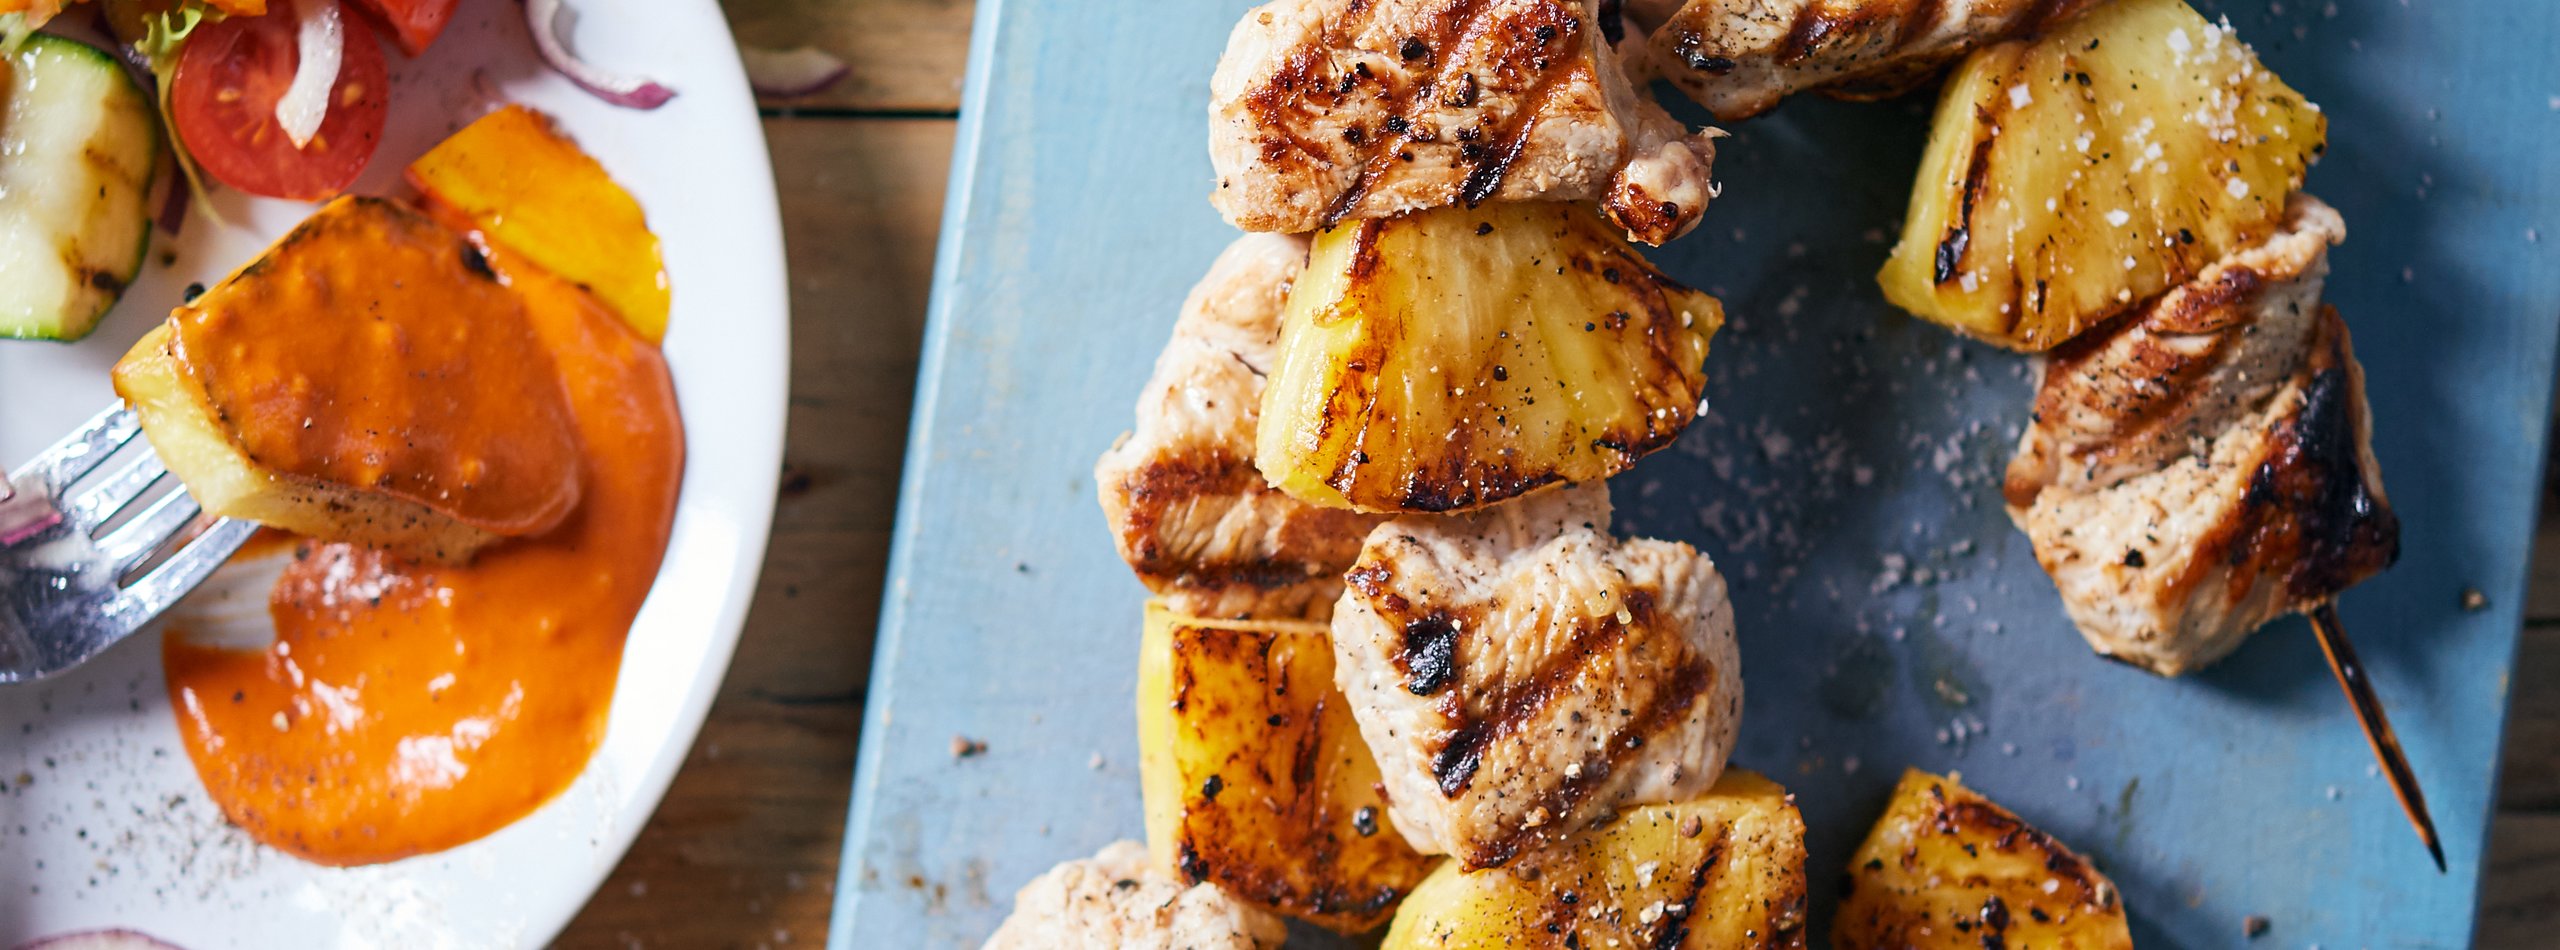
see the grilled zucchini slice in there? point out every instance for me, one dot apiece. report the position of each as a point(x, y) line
point(78, 147)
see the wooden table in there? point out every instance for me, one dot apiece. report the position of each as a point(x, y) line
point(743, 852)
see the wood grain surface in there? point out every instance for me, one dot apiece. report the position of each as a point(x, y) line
point(743, 852)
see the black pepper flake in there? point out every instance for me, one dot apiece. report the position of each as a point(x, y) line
point(1398, 125)
point(1995, 914)
point(1484, 228)
point(1209, 789)
point(1413, 48)
point(2133, 558)
point(1365, 821)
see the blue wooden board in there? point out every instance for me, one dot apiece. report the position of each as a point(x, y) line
point(1846, 480)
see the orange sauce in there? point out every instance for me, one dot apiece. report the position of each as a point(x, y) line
point(406, 708)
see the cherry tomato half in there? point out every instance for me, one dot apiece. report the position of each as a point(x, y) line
point(223, 95)
point(413, 23)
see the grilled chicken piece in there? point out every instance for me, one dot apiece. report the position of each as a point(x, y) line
point(1113, 900)
point(1519, 673)
point(1739, 57)
point(1187, 508)
point(2169, 570)
point(1329, 110)
point(2134, 398)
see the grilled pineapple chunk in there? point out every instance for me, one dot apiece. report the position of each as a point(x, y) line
point(1725, 870)
point(368, 379)
point(1448, 359)
point(1946, 869)
point(1255, 776)
point(2068, 177)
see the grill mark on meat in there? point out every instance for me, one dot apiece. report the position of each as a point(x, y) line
point(2211, 307)
point(1566, 35)
point(1454, 29)
point(1430, 655)
point(1512, 710)
point(1817, 23)
point(1165, 486)
point(2159, 378)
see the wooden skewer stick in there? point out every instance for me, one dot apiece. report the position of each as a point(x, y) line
point(2377, 726)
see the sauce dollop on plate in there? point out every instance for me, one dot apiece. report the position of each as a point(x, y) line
point(407, 707)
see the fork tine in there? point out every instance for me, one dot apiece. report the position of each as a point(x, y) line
point(127, 547)
point(100, 503)
point(155, 592)
point(78, 452)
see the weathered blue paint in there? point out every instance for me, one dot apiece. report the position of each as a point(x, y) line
point(1077, 220)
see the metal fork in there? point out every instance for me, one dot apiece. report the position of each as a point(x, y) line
point(68, 583)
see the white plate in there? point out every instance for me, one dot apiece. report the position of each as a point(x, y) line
point(115, 830)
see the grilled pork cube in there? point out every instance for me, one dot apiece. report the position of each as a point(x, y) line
point(1114, 900)
point(2134, 398)
point(1323, 111)
point(2171, 569)
point(1187, 508)
point(1739, 57)
point(1519, 673)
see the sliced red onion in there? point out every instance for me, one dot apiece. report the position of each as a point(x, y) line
point(173, 205)
point(100, 940)
point(322, 40)
point(790, 72)
point(25, 519)
point(551, 22)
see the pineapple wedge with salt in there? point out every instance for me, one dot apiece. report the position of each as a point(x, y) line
point(1449, 359)
point(2071, 176)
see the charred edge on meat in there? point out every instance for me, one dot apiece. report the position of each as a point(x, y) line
point(2313, 487)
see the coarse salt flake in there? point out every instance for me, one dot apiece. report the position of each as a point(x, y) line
point(2117, 218)
point(2238, 187)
